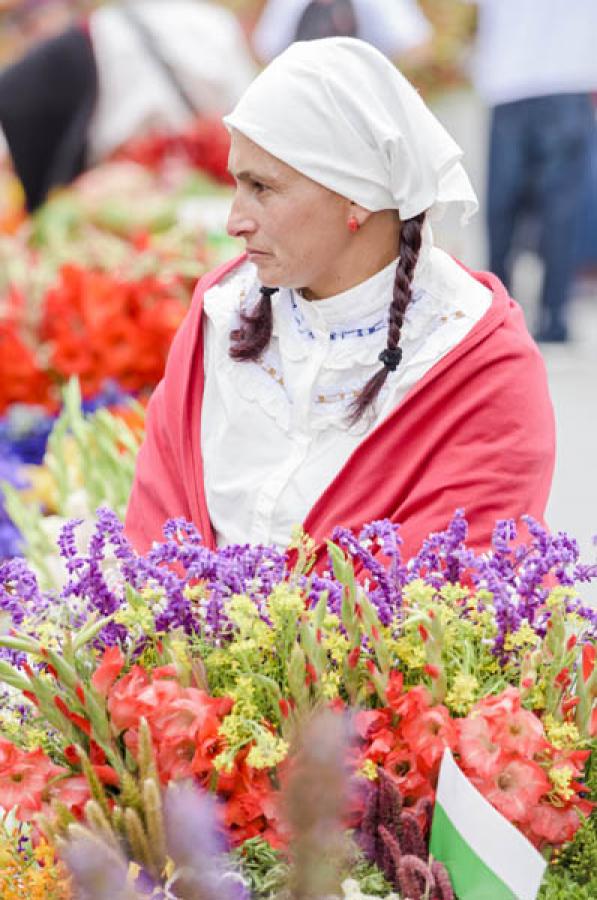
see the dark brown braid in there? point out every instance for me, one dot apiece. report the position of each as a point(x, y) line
point(408, 251)
point(254, 334)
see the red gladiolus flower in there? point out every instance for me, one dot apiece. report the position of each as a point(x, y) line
point(589, 651)
point(413, 703)
point(353, 657)
point(76, 719)
point(123, 699)
point(311, 673)
point(107, 775)
point(368, 722)
point(429, 734)
point(73, 792)
point(412, 783)
point(394, 690)
point(431, 670)
point(108, 670)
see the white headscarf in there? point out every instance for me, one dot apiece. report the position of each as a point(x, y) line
point(339, 112)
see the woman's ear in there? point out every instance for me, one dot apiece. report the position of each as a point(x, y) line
point(359, 213)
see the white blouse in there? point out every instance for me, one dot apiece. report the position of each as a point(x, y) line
point(275, 432)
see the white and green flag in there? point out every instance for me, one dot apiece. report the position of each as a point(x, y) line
point(486, 856)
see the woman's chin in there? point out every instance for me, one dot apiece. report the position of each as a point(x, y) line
point(266, 270)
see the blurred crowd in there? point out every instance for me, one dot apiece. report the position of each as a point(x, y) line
point(80, 78)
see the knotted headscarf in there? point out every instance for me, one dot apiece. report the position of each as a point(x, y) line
point(339, 112)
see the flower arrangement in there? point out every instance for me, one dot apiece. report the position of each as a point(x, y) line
point(204, 666)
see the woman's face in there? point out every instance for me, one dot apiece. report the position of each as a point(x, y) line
point(294, 229)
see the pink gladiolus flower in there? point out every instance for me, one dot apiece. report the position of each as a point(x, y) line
point(515, 789)
point(480, 755)
point(520, 732)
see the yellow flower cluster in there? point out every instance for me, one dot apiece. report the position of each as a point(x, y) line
point(563, 735)
point(330, 684)
point(243, 726)
point(463, 693)
point(410, 650)
point(561, 777)
point(521, 639)
point(267, 751)
point(286, 605)
point(335, 643)
point(133, 617)
point(368, 770)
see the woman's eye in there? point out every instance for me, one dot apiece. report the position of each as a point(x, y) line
point(258, 187)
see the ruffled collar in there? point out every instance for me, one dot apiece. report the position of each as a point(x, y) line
point(358, 305)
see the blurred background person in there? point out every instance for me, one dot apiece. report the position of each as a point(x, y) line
point(535, 65)
point(39, 19)
point(396, 27)
point(127, 69)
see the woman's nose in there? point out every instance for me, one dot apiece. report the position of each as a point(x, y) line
point(239, 222)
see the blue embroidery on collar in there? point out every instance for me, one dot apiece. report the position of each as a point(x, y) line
point(334, 335)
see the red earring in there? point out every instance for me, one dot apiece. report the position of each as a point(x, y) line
point(353, 224)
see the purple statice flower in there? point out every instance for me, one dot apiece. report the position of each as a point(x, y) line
point(382, 592)
point(20, 598)
point(521, 576)
point(315, 586)
point(20, 594)
point(444, 556)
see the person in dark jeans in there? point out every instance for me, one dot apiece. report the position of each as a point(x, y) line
point(539, 161)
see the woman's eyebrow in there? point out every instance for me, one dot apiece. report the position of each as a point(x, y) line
point(248, 175)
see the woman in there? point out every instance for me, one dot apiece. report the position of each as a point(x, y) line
point(344, 369)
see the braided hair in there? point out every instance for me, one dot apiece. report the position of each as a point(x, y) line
point(250, 340)
point(255, 331)
point(408, 251)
